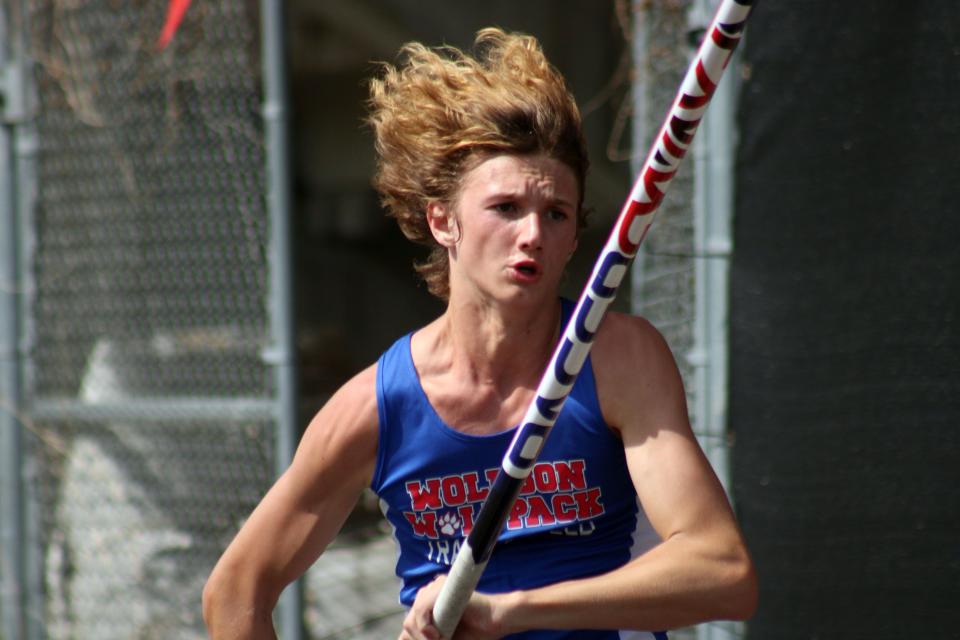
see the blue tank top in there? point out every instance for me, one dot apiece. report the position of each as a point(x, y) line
point(577, 514)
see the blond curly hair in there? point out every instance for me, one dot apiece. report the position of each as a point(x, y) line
point(439, 112)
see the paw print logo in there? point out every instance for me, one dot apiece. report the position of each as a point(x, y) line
point(449, 523)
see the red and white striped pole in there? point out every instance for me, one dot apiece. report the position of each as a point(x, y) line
point(663, 160)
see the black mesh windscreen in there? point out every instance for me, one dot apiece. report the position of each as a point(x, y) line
point(845, 300)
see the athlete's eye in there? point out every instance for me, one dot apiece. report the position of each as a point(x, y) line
point(558, 215)
point(505, 207)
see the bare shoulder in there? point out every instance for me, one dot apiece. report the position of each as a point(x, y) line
point(636, 374)
point(631, 345)
point(341, 439)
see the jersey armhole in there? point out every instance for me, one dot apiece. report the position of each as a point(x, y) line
point(382, 412)
point(587, 394)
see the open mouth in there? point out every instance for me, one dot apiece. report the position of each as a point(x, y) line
point(527, 269)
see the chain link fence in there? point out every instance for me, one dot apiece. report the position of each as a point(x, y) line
point(675, 267)
point(663, 280)
point(150, 430)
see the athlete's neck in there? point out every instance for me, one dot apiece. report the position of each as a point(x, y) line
point(503, 347)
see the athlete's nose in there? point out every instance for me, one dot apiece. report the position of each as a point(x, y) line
point(531, 233)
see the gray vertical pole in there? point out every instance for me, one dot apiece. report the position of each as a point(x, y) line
point(642, 132)
point(12, 538)
point(282, 355)
point(713, 245)
point(26, 148)
point(11, 484)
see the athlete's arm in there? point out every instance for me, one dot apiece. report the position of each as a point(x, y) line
point(299, 516)
point(700, 571)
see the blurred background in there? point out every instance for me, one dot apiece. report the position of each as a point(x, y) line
point(192, 260)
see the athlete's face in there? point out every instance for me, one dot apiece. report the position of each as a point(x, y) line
point(512, 228)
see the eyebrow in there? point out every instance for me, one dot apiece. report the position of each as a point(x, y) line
point(499, 193)
point(563, 202)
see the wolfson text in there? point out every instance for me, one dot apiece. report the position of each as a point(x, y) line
point(554, 493)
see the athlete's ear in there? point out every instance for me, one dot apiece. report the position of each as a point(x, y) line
point(443, 224)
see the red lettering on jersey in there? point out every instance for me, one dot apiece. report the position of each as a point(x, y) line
point(528, 486)
point(564, 507)
point(424, 524)
point(454, 492)
point(545, 477)
point(466, 517)
point(519, 510)
point(424, 497)
point(588, 504)
point(474, 492)
point(570, 475)
point(540, 513)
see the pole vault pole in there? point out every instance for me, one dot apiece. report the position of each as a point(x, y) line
point(633, 223)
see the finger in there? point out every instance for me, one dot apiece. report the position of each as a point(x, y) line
point(417, 626)
point(425, 628)
point(409, 631)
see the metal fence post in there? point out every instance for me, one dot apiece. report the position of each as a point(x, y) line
point(282, 353)
point(12, 567)
point(713, 244)
point(11, 485)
